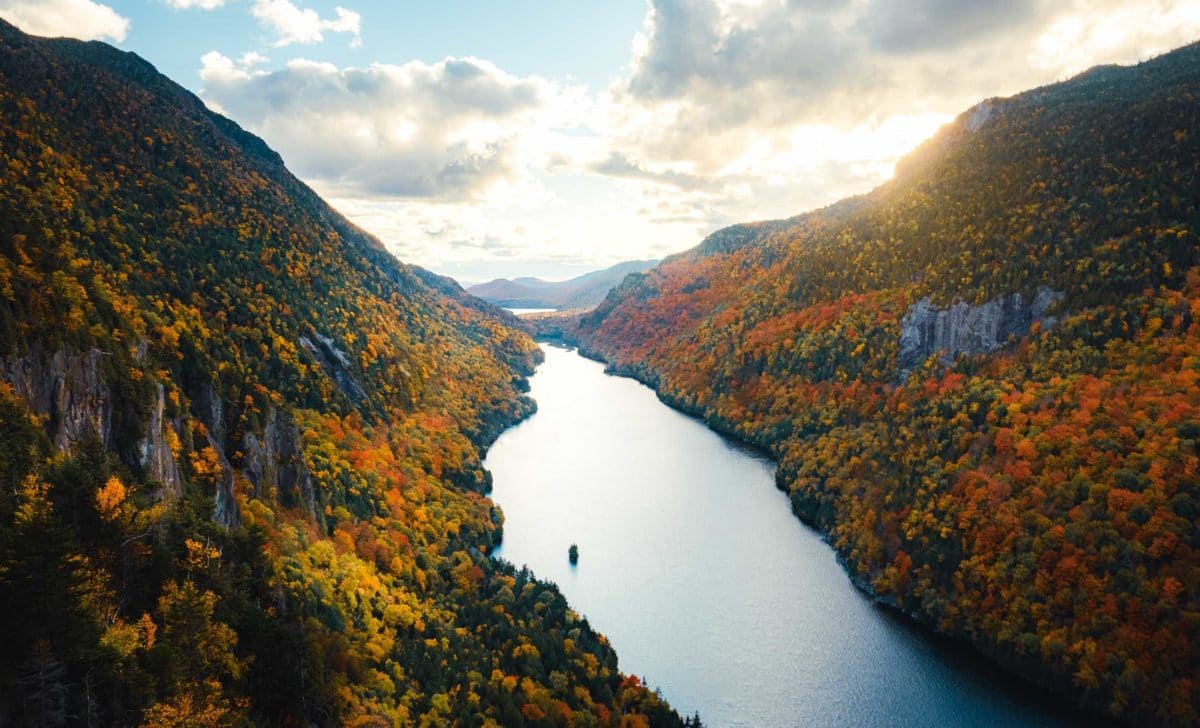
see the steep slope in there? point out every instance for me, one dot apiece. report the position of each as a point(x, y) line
point(240, 443)
point(981, 379)
point(583, 291)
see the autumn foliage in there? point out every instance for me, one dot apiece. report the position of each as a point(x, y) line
point(323, 557)
point(1040, 500)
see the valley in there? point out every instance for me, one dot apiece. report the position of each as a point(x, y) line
point(929, 454)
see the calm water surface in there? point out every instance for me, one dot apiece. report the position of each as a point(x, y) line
point(693, 565)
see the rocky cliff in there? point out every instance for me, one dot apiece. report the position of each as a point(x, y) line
point(965, 329)
point(69, 390)
point(273, 460)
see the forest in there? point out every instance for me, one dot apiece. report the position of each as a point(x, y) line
point(981, 379)
point(240, 443)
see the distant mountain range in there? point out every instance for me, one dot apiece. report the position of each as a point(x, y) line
point(583, 292)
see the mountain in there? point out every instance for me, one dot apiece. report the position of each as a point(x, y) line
point(584, 291)
point(981, 380)
point(240, 443)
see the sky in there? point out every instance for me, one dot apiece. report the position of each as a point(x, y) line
point(484, 139)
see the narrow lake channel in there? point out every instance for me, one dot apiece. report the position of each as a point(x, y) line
point(693, 565)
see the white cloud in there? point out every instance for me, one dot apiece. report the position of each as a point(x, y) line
point(292, 24)
point(1132, 32)
point(451, 163)
point(251, 59)
point(779, 105)
point(732, 110)
point(81, 19)
point(200, 4)
point(714, 69)
point(447, 131)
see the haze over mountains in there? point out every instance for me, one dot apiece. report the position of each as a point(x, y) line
point(583, 291)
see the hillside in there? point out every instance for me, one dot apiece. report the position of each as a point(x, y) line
point(980, 379)
point(583, 291)
point(240, 443)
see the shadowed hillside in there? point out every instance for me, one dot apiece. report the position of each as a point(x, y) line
point(240, 443)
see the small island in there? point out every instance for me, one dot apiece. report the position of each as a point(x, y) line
point(573, 554)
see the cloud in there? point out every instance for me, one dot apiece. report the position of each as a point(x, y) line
point(445, 131)
point(730, 110)
point(251, 59)
point(618, 165)
point(725, 85)
point(81, 19)
point(200, 4)
point(455, 164)
point(1073, 42)
point(692, 44)
point(292, 24)
point(894, 27)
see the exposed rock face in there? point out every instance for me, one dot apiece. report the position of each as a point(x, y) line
point(155, 453)
point(336, 364)
point(225, 509)
point(275, 460)
point(980, 114)
point(965, 329)
point(210, 410)
point(208, 407)
point(67, 388)
point(270, 459)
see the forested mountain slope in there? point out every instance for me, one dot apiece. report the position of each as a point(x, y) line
point(982, 380)
point(240, 443)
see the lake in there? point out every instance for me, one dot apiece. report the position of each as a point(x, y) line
point(692, 563)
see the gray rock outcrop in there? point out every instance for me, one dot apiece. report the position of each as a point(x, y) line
point(68, 389)
point(208, 407)
point(964, 329)
point(225, 506)
point(157, 459)
point(980, 114)
point(336, 364)
point(275, 460)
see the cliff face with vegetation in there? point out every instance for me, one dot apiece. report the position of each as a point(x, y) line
point(240, 443)
point(981, 380)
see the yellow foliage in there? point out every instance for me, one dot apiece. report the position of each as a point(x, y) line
point(122, 638)
point(149, 629)
point(206, 463)
point(109, 499)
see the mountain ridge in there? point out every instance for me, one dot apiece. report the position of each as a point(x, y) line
point(241, 443)
point(1028, 494)
point(579, 292)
